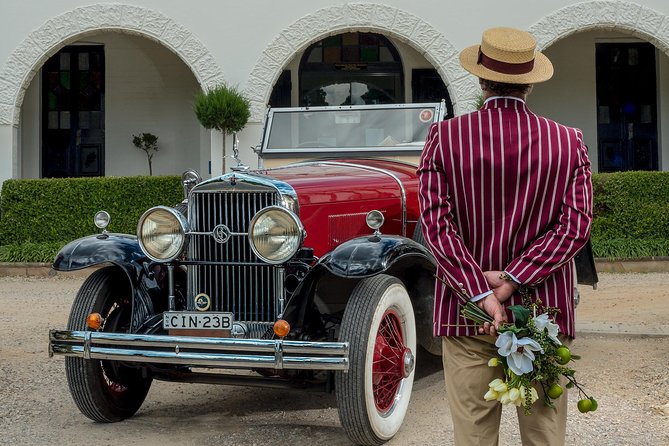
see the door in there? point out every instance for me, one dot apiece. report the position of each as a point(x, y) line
point(73, 113)
point(626, 107)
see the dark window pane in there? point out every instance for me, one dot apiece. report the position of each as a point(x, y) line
point(83, 61)
point(349, 39)
point(65, 79)
point(332, 41)
point(65, 61)
point(350, 54)
point(332, 54)
point(369, 39)
point(369, 54)
point(65, 120)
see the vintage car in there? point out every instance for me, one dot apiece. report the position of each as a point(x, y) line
point(310, 274)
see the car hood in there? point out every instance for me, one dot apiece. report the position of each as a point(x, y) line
point(325, 181)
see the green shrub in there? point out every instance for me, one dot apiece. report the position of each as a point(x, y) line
point(30, 252)
point(61, 209)
point(631, 211)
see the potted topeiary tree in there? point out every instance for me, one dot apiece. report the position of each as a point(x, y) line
point(222, 108)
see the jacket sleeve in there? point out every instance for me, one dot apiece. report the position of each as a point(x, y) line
point(557, 246)
point(456, 265)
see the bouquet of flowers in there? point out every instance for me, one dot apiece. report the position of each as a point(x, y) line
point(530, 353)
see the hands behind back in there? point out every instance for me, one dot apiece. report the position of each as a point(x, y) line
point(492, 304)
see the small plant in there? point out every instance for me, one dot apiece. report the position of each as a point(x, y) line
point(148, 142)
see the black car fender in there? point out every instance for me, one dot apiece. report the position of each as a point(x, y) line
point(339, 270)
point(121, 250)
point(368, 256)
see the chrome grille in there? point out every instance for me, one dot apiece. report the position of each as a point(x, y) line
point(231, 274)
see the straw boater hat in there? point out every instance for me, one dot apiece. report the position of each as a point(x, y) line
point(507, 55)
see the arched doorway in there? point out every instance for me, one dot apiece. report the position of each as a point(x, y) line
point(352, 68)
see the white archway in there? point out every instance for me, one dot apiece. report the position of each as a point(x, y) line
point(632, 18)
point(384, 19)
point(39, 45)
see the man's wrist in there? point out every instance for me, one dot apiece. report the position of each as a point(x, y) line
point(510, 279)
point(481, 296)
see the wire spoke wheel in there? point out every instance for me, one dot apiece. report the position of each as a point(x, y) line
point(105, 391)
point(373, 396)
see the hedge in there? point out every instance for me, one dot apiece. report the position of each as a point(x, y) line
point(52, 212)
point(38, 216)
point(631, 212)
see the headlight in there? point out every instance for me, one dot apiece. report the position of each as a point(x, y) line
point(161, 232)
point(275, 234)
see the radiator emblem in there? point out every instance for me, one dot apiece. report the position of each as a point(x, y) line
point(202, 302)
point(221, 234)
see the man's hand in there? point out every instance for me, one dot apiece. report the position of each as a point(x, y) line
point(502, 289)
point(491, 305)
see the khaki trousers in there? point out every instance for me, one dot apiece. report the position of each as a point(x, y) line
point(475, 420)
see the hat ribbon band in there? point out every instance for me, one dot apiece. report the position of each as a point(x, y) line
point(504, 67)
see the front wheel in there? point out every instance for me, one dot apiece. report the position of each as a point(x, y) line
point(105, 391)
point(373, 396)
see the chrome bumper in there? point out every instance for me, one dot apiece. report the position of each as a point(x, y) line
point(204, 352)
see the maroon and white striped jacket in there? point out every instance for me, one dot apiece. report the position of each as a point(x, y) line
point(504, 189)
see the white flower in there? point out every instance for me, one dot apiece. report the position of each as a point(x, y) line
point(519, 352)
point(515, 396)
point(506, 343)
point(491, 395)
point(542, 321)
point(498, 385)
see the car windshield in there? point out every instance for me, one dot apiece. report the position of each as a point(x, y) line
point(399, 127)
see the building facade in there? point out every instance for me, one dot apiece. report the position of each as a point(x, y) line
point(78, 80)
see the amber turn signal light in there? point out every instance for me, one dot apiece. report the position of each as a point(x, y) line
point(94, 321)
point(281, 328)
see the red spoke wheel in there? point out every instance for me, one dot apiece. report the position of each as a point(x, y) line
point(105, 391)
point(373, 396)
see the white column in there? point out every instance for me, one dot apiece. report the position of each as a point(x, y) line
point(216, 157)
point(9, 167)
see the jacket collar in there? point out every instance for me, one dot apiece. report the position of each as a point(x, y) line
point(504, 102)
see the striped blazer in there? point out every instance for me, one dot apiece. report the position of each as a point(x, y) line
point(504, 189)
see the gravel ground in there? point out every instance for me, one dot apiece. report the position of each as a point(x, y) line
point(628, 374)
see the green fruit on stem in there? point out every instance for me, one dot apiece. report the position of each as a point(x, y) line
point(594, 405)
point(562, 355)
point(584, 405)
point(554, 391)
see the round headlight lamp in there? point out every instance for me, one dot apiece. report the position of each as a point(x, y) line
point(374, 220)
point(102, 219)
point(275, 234)
point(161, 233)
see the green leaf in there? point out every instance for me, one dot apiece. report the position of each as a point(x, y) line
point(520, 315)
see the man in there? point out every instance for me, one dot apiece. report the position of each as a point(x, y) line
point(505, 200)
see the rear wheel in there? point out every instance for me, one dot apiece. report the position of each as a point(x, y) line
point(373, 396)
point(105, 391)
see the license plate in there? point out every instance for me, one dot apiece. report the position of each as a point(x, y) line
point(193, 320)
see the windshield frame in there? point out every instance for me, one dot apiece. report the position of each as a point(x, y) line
point(342, 112)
